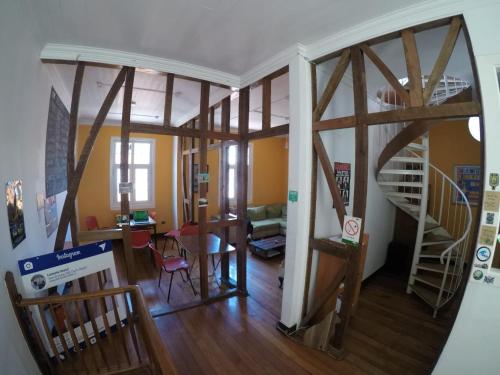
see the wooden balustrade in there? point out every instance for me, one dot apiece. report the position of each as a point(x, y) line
point(78, 333)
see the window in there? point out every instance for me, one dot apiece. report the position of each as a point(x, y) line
point(141, 171)
point(232, 157)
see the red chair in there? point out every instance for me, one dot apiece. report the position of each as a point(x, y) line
point(140, 239)
point(171, 265)
point(91, 223)
point(186, 229)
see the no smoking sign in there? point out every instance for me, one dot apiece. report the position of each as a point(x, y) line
point(351, 230)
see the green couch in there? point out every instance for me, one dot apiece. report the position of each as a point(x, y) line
point(268, 220)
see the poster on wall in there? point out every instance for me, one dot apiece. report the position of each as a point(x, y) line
point(50, 215)
point(343, 177)
point(14, 202)
point(468, 178)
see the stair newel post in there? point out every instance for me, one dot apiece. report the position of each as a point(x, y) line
point(423, 211)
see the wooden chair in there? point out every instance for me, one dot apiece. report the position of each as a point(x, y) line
point(92, 341)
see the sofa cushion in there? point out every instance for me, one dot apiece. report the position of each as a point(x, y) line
point(282, 223)
point(283, 211)
point(273, 210)
point(265, 224)
point(256, 213)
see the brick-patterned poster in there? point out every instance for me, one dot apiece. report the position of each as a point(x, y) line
point(56, 146)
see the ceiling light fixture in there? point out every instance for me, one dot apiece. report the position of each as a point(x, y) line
point(474, 128)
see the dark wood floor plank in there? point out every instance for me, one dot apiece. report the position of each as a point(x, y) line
point(391, 333)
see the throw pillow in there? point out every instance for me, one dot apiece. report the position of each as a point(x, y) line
point(256, 213)
point(273, 211)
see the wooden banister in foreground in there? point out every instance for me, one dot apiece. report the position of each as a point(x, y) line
point(93, 341)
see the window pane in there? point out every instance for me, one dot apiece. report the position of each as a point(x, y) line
point(141, 185)
point(142, 152)
point(231, 155)
point(118, 149)
point(118, 153)
point(118, 176)
point(231, 183)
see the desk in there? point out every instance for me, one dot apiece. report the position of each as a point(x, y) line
point(149, 224)
point(215, 246)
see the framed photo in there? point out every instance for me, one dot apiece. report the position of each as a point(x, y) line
point(468, 179)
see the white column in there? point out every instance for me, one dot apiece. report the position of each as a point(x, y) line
point(299, 179)
point(175, 221)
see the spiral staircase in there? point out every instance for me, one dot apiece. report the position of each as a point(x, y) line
point(412, 183)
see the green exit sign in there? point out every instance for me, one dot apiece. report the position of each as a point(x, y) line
point(293, 196)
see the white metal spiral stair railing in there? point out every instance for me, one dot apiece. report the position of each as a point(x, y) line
point(428, 195)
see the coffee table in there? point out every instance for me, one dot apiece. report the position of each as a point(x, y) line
point(268, 247)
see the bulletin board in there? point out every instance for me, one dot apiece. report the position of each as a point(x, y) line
point(56, 146)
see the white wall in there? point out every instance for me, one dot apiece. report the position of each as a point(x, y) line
point(340, 146)
point(24, 99)
point(473, 345)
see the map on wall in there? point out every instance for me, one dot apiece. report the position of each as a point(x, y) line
point(56, 145)
point(468, 178)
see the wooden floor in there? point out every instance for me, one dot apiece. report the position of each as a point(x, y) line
point(391, 333)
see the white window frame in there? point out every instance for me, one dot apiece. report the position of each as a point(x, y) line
point(233, 201)
point(114, 203)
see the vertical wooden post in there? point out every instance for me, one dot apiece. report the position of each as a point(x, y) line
point(360, 190)
point(242, 185)
point(413, 68)
point(202, 188)
point(167, 110)
point(266, 103)
point(224, 171)
point(212, 123)
point(191, 174)
point(124, 171)
point(183, 178)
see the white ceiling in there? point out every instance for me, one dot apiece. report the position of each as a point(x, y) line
point(149, 95)
point(232, 36)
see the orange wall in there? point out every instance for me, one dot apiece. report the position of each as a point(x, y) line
point(93, 196)
point(451, 144)
point(270, 171)
point(270, 175)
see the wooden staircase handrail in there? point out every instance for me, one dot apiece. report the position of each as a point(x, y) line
point(159, 357)
point(414, 130)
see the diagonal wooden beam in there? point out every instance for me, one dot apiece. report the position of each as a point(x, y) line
point(332, 85)
point(387, 73)
point(266, 103)
point(73, 125)
point(443, 58)
point(317, 311)
point(167, 110)
point(319, 147)
point(68, 207)
point(413, 68)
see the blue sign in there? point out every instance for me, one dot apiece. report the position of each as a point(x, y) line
point(50, 260)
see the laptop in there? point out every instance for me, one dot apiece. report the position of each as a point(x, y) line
point(141, 215)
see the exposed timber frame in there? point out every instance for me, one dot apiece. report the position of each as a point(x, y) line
point(318, 314)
